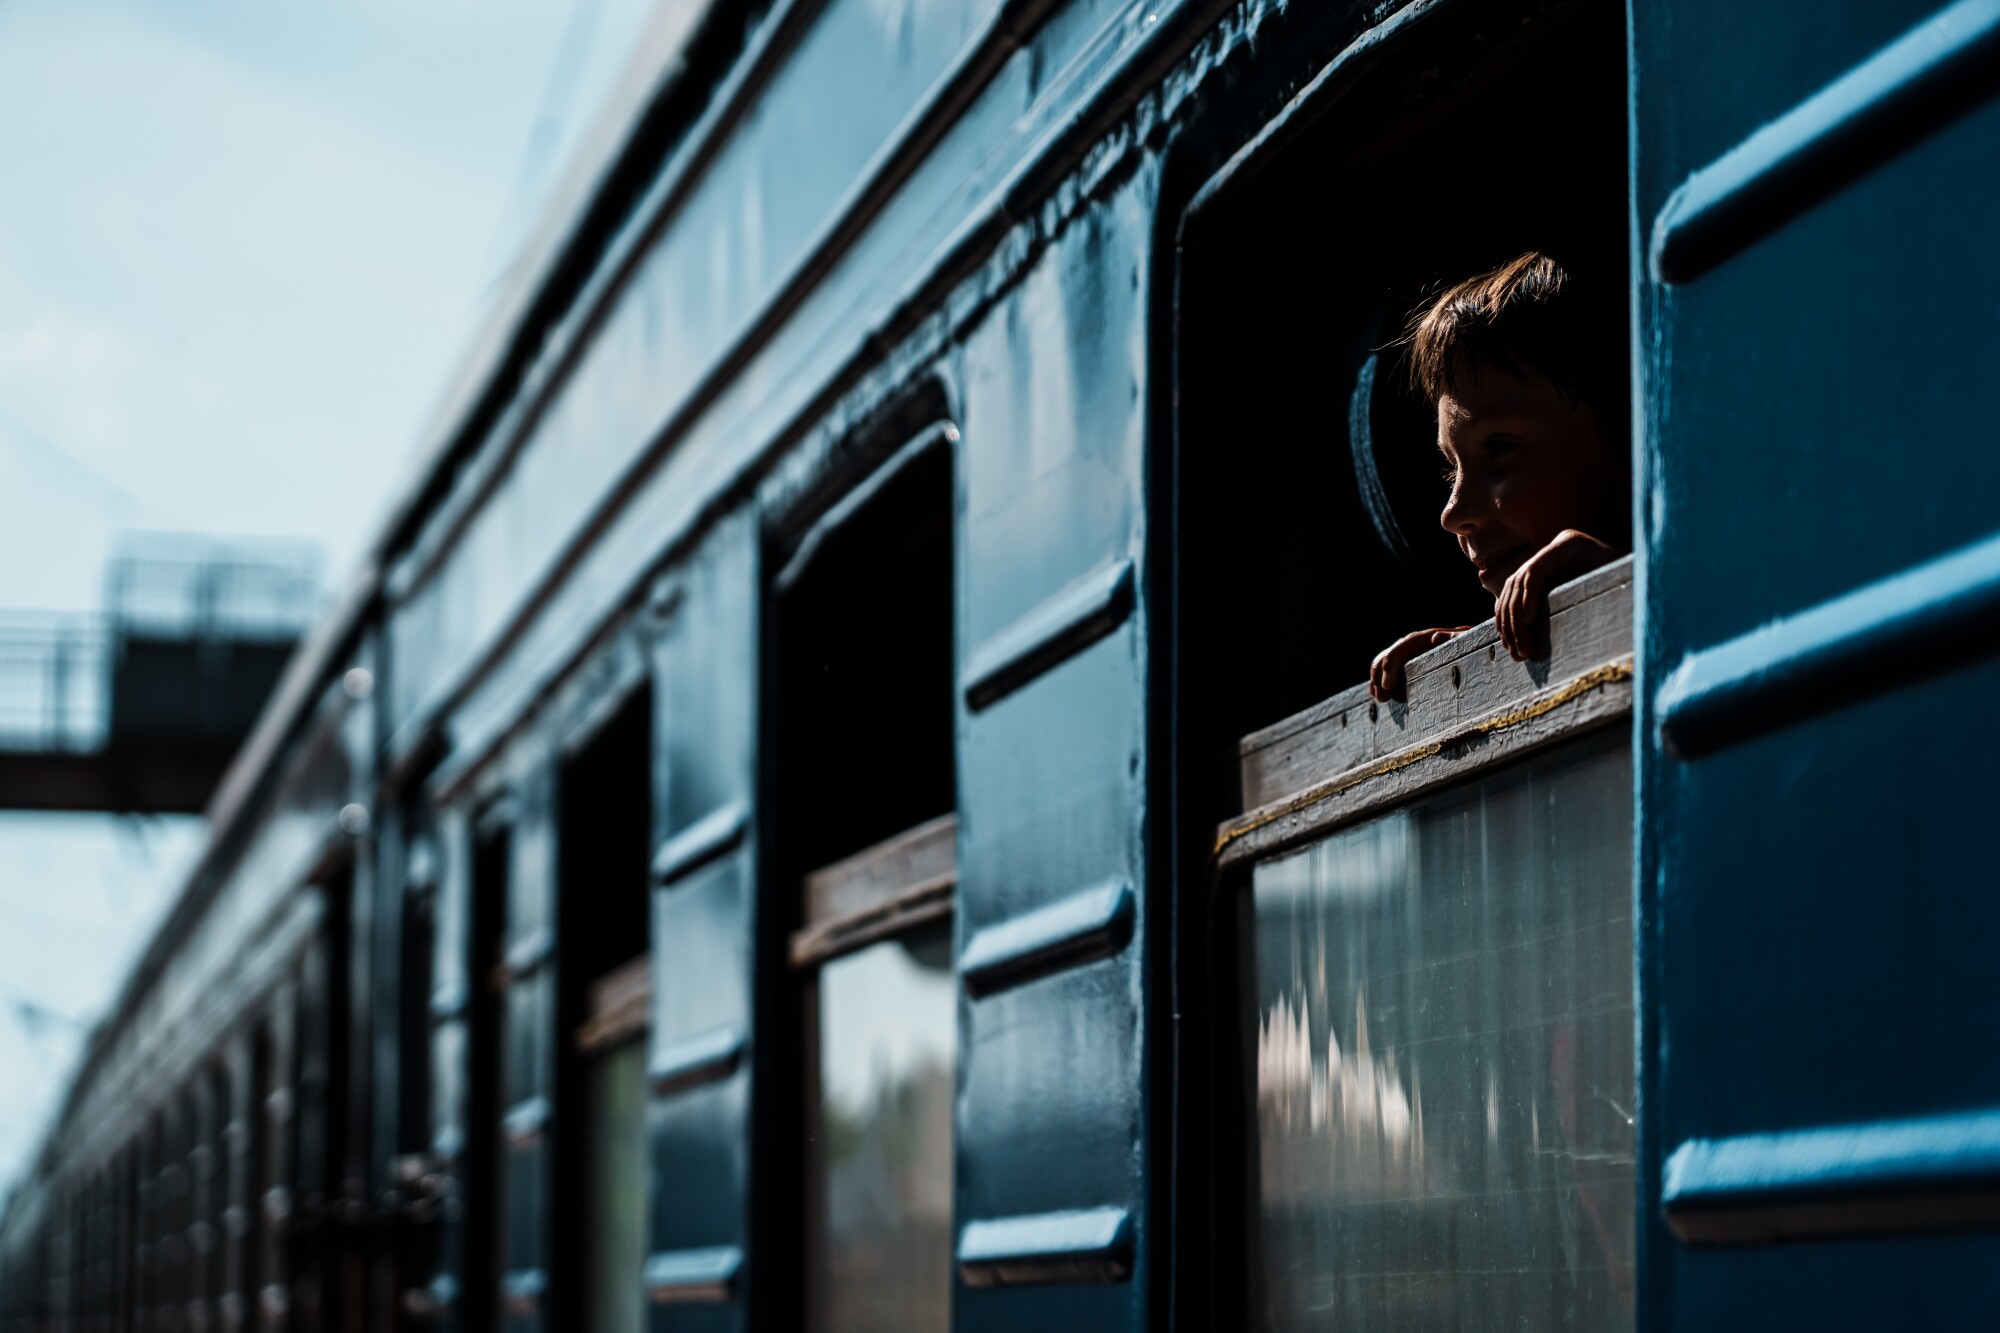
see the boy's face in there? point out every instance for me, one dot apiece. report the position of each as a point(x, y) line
point(1524, 464)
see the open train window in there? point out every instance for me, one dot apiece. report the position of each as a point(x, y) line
point(416, 960)
point(603, 997)
point(1419, 914)
point(478, 1239)
point(865, 862)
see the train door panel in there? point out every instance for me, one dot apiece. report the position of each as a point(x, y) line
point(1819, 568)
point(701, 1056)
point(1052, 1129)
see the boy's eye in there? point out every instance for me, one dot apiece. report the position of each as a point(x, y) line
point(1500, 445)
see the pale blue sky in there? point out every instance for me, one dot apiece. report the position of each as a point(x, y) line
point(242, 244)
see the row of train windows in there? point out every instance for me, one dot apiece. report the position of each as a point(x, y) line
point(1442, 1085)
point(190, 1225)
point(1443, 1065)
point(865, 832)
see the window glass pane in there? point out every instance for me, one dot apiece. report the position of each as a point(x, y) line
point(1445, 1060)
point(888, 1028)
point(616, 1251)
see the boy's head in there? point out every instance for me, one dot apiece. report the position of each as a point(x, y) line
point(1527, 369)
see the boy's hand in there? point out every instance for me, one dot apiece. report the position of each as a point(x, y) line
point(1385, 673)
point(1524, 599)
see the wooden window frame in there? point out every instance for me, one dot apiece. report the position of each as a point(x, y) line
point(621, 1006)
point(902, 882)
point(1467, 707)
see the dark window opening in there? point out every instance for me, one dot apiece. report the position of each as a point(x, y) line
point(604, 892)
point(863, 846)
point(863, 647)
point(478, 1172)
point(1306, 481)
point(416, 949)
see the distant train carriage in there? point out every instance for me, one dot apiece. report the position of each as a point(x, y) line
point(836, 801)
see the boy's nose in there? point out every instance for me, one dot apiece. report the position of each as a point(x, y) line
point(1459, 518)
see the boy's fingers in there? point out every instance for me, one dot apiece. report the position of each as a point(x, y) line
point(1531, 600)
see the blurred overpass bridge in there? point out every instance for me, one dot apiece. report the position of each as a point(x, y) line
point(138, 709)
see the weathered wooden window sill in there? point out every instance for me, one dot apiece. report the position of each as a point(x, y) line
point(883, 891)
point(1467, 706)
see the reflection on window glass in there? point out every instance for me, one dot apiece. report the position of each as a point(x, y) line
point(888, 1024)
point(1445, 1060)
point(615, 1254)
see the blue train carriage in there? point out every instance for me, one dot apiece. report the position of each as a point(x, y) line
point(848, 816)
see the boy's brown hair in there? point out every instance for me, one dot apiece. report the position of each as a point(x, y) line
point(1528, 315)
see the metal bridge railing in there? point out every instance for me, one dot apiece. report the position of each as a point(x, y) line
point(53, 683)
point(176, 586)
point(57, 672)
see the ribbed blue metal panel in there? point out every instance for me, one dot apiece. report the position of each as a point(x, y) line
point(702, 1044)
point(1814, 632)
point(1052, 1116)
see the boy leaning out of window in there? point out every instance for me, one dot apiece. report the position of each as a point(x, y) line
point(1527, 370)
